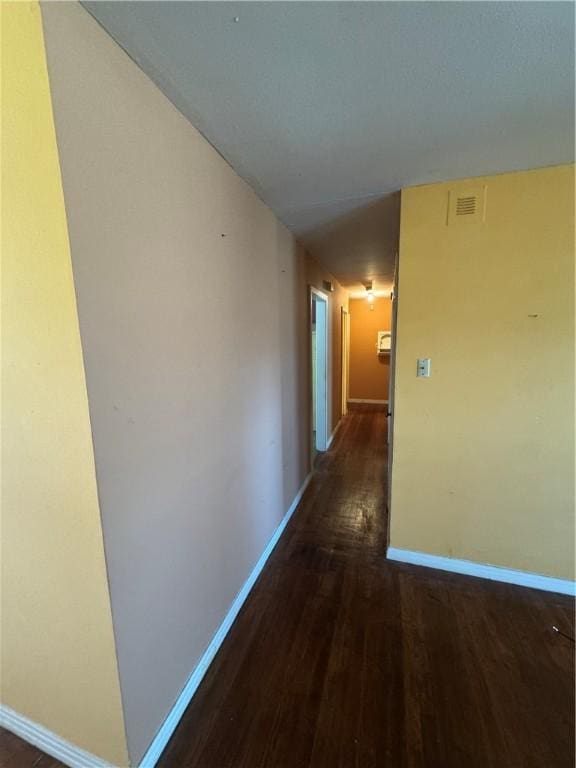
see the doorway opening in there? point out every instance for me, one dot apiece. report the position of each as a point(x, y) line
point(319, 368)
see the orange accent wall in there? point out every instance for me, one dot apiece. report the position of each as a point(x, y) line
point(369, 372)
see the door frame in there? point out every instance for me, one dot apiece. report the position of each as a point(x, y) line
point(345, 357)
point(321, 427)
point(391, 389)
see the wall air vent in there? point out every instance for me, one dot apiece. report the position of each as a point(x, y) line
point(466, 206)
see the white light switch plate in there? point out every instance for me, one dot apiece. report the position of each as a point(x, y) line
point(423, 366)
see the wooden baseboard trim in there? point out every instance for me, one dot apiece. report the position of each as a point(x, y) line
point(483, 571)
point(369, 402)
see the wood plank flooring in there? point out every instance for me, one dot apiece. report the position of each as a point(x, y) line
point(16, 753)
point(340, 659)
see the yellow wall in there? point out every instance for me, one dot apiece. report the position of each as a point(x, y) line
point(58, 655)
point(484, 449)
point(369, 371)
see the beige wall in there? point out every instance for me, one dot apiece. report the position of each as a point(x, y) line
point(369, 371)
point(295, 372)
point(193, 308)
point(58, 663)
point(484, 449)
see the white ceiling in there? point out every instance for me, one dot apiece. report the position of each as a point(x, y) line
point(329, 108)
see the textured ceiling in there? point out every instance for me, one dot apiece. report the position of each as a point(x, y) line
point(329, 108)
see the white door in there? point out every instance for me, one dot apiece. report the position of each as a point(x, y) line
point(319, 368)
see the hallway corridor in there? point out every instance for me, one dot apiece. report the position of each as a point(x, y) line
point(340, 659)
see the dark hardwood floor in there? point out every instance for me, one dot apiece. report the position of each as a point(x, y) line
point(16, 753)
point(340, 659)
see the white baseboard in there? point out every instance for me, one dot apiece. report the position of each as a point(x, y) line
point(370, 402)
point(492, 572)
point(74, 756)
point(48, 741)
point(333, 435)
point(162, 737)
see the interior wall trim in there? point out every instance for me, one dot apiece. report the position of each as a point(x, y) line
point(74, 756)
point(333, 435)
point(167, 729)
point(48, 741)
point(483, 571)
point(372, 402)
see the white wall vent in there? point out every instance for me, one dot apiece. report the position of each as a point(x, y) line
point(466, 205)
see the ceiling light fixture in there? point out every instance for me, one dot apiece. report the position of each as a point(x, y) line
point(369, 291)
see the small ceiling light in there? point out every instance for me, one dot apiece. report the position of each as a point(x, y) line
point(369, 285)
